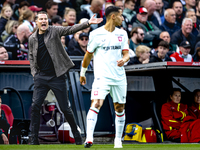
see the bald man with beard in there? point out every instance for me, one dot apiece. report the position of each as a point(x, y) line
point(15, 42)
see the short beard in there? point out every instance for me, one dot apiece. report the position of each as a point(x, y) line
point(138, 40)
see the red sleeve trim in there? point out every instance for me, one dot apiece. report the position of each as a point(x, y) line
point(125, 50)
point(90, 52)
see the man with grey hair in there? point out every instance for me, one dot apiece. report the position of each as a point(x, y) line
point(191, 14)
point(185, 34)
point(169, 24)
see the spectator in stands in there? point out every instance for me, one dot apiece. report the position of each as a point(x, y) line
point(15, 42)
point(185, 34)
point(3, 125)
point(128, 11)
point(160, 9)
point(137, 37)
point(69, 16)
point(87, 30)
point(3, 53)
point(166, 37)
point(151, 31)
point(190, 4)
point(178, 125)
point(126, 24)
point(6, 14)
point(64, 4)
point(35, 10)
point(190, 13)
point(196, 56)
point(150, 5)
point(183, 55)
point(63, 43)
point(23, 6)
point(194, 109)
point(51, 9)
point(161, 54)
point(81, 47)
point(180, 14)
point(198, 13)
point(10, 28)
point(26, 18)
point(90, 10)
point(73, 42)
point(70, 20)
point(56, 21)
point(169, 24)
point(142, 55)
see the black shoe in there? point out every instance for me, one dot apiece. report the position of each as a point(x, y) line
point(88, 144)
point(78, 138)
point(34, 141)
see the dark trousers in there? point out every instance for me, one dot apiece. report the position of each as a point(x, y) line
point(42, 84)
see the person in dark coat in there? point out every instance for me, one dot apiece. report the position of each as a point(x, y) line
point(185, 34)
point(169, 24)
point(49, 64)
point(6, 14)
point(161, 54)
point(196, 56)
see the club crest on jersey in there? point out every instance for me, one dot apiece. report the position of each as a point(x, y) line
point(95, 93)
point(120, 38)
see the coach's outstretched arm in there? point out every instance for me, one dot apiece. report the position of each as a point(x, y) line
point(86, 61)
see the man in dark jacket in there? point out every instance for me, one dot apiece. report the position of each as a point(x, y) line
point(49, 63)
point(161, 54)
point(185, 34)
point(79, 48)
point(169, 24)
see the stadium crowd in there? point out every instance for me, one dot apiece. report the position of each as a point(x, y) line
point(148, 24)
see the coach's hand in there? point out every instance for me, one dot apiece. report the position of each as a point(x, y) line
point(94, 20)
point(82, 80)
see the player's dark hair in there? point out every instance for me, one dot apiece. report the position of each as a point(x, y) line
point(111, 9)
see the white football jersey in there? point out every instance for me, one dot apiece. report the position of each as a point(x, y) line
point(107, 48)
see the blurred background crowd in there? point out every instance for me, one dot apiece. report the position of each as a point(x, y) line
point(158, 30)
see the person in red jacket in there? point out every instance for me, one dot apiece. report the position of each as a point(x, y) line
point(178, 125)
point(172, 115)
point(194, 109)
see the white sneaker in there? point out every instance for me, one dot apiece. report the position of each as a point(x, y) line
point(118, 143)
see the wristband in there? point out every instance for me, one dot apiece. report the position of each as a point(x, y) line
point(83, 70)
point(88, 23)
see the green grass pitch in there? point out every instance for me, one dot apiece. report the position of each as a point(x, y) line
point(102, 147)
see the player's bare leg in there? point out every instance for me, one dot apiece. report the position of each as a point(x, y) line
point(91, 121)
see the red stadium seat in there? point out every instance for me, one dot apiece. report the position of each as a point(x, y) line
point(8, 113)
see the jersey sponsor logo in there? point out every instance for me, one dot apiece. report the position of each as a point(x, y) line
point(106, 48)
point(95, 93)
point(120, 38)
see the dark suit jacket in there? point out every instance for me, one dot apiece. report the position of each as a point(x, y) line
point(58, 54)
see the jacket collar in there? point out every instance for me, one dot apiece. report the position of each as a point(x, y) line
point(37, 30)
